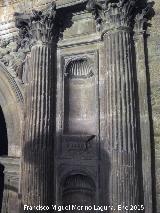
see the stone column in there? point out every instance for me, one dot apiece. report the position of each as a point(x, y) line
point(123, 143)
point(140, 38)
point(121, 118)
point(37, 168)
point(38, 148)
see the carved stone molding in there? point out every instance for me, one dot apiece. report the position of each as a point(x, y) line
point(15, 87)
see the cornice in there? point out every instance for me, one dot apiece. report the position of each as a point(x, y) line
point(83, 40)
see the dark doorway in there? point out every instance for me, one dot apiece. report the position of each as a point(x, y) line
point(3, 152)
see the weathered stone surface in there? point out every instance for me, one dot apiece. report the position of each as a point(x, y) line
point(88, 117)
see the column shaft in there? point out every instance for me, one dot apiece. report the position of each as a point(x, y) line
point(37, 153)
point(121, 119)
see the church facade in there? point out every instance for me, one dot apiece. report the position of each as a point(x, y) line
point(80, 105)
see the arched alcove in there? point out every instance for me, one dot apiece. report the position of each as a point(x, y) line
point(78, 189)
point(79, 97)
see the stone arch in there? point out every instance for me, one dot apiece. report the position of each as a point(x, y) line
point(11, 100)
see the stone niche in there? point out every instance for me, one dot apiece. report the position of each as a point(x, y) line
point(80, 106)
point(79, 97)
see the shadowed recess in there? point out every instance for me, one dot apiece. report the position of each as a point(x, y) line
point(3, 135)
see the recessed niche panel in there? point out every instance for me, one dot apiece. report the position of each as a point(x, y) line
point(79, 97)
point(78, 189)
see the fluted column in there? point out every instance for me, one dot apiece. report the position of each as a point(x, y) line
point(38, 149)
point(121, 115)
point(37, 167)
point(123, 143)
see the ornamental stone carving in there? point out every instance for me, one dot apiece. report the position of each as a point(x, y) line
point(79, 68)
point(111, 14)
point(141, 19)
point(34, 28)
point(13, 56)
point(37, 27)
